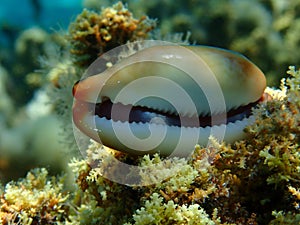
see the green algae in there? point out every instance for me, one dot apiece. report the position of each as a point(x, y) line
point(253, 181)
point(93, 33)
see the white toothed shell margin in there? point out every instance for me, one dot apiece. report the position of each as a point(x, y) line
point(173, 136)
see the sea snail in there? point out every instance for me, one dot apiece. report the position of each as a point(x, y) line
point(169, 98)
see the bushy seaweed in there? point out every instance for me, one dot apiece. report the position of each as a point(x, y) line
point(36, 199)
point(252, 181)
point(93, 33)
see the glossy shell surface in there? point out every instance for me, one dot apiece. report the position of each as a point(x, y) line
point(186, 81)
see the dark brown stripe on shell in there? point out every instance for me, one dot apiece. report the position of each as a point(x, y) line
point(119, 112)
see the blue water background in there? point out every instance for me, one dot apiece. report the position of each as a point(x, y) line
point(22, 13)
point(17, 15)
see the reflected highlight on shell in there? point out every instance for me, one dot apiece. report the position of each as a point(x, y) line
point(168, 98)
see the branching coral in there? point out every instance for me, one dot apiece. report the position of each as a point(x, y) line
point(95, 33)
point(157, 212)
point(253, 181)
point(35, 199)
point(278, 133)
point(99, 200)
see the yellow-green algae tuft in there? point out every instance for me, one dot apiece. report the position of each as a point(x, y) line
point(92, 33)
point(253, 181)
point(36, 199)
point(157, 211)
